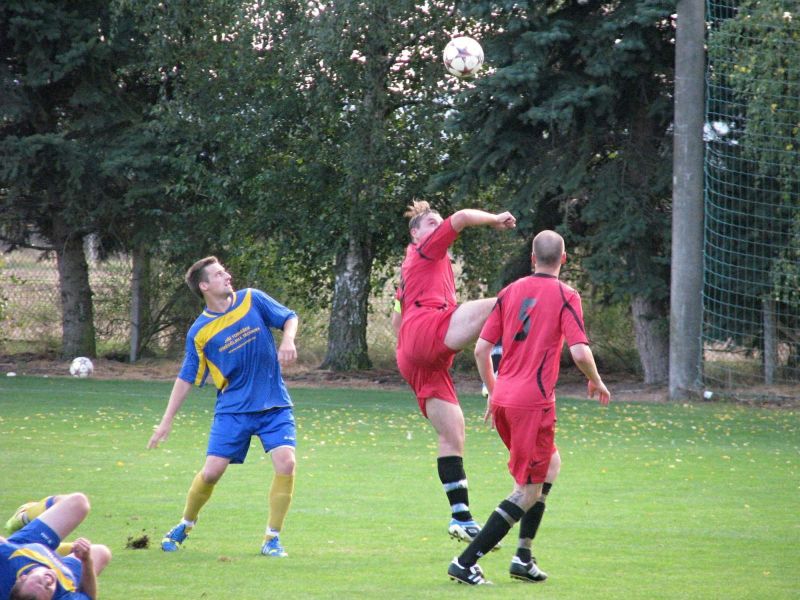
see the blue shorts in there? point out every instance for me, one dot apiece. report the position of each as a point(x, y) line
point(36, 532)
point(231, 432)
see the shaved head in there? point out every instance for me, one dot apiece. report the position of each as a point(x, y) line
point(548, 248)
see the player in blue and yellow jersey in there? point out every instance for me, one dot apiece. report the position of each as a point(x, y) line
point(30, 567)
point(231, 341)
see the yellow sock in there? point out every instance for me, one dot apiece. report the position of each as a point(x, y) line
point(64, 549)
point(34, 509)
point(199, 493)
point(280, 497)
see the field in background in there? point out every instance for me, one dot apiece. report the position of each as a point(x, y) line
point(654, 500)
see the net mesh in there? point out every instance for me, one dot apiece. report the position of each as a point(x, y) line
point(751, 298)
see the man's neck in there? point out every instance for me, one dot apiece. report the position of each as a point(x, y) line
point(546, 271)
point(220, 304)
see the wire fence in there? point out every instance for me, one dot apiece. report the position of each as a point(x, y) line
point(30, 304)
point(752, 198)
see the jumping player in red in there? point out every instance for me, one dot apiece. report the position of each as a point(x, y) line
point(532, 318)
point(432, 328)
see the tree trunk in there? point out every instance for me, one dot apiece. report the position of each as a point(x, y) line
point(140, 300)
point(652, 341)
point(770, 340)
point(347, 330)
point(78, 334)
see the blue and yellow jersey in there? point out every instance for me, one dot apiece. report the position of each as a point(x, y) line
point(18, 559)
point(237, 350)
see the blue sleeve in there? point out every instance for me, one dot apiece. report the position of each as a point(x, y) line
point(190, 370)
point(273, 312)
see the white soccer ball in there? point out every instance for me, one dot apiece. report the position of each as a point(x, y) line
point(81, 367)
point(463, 56)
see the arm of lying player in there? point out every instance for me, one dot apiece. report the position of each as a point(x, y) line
point(180, 390)
point(82, 549)
point(483, 360)
point(584, 359)
point(471, 217)
point(287, 352)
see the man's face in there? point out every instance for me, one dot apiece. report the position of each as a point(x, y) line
point(39, 581)
point(426, 225)
point(217, 281)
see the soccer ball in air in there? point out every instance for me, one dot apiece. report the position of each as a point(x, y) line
point(463, 56)
point(81, 367)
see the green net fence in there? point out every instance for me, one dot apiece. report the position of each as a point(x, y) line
point(30, 304)
point(752, 199)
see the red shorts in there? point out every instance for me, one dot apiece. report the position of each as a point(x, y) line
point(423, 358)
point(529, 434)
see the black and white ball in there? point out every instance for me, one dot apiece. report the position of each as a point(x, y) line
point(463, 56)
point(81, 367)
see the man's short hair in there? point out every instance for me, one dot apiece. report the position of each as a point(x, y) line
point(18, 594)
point(197, 273)
point(548, 247)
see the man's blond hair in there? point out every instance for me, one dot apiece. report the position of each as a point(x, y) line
point(416, 210)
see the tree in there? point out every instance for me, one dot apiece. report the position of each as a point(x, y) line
point(576, 110)
point(320, 122)
point(71, 125)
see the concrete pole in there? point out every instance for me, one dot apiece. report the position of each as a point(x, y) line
point(686, 308)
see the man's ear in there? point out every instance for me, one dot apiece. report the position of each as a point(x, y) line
point(563, 258)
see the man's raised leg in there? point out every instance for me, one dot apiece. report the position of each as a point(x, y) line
point(66, 514)
point(467, 322)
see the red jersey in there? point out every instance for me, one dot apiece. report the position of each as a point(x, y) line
point(533, 316)
point(426, 276)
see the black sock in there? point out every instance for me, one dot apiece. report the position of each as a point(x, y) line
point(524, 554)
point(454, 482)
point(530, 522)
point(497, 526)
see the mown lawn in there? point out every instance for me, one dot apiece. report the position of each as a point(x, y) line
point(654, 500)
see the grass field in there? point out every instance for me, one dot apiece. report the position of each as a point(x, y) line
point(654, 500)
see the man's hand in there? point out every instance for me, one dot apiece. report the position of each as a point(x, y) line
point(504, 220)
point(82, 549)
point(160, 434)
point(287, 352)
point(487, 414)
point(604, 396)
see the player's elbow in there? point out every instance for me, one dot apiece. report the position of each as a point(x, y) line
point(483, 350)
point(581, 354)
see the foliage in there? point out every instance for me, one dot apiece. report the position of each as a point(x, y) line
point(77, 155)
point(308, 125)
point(574, 117)
point(366, 460)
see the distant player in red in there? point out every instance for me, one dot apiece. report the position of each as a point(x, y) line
point(532, 318)
point(432, 328)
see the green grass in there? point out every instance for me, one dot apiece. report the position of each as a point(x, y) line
point(654, 501)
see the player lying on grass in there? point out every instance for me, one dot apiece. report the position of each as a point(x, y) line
point(532, 318)
point(30, 567)
point(432, 327)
